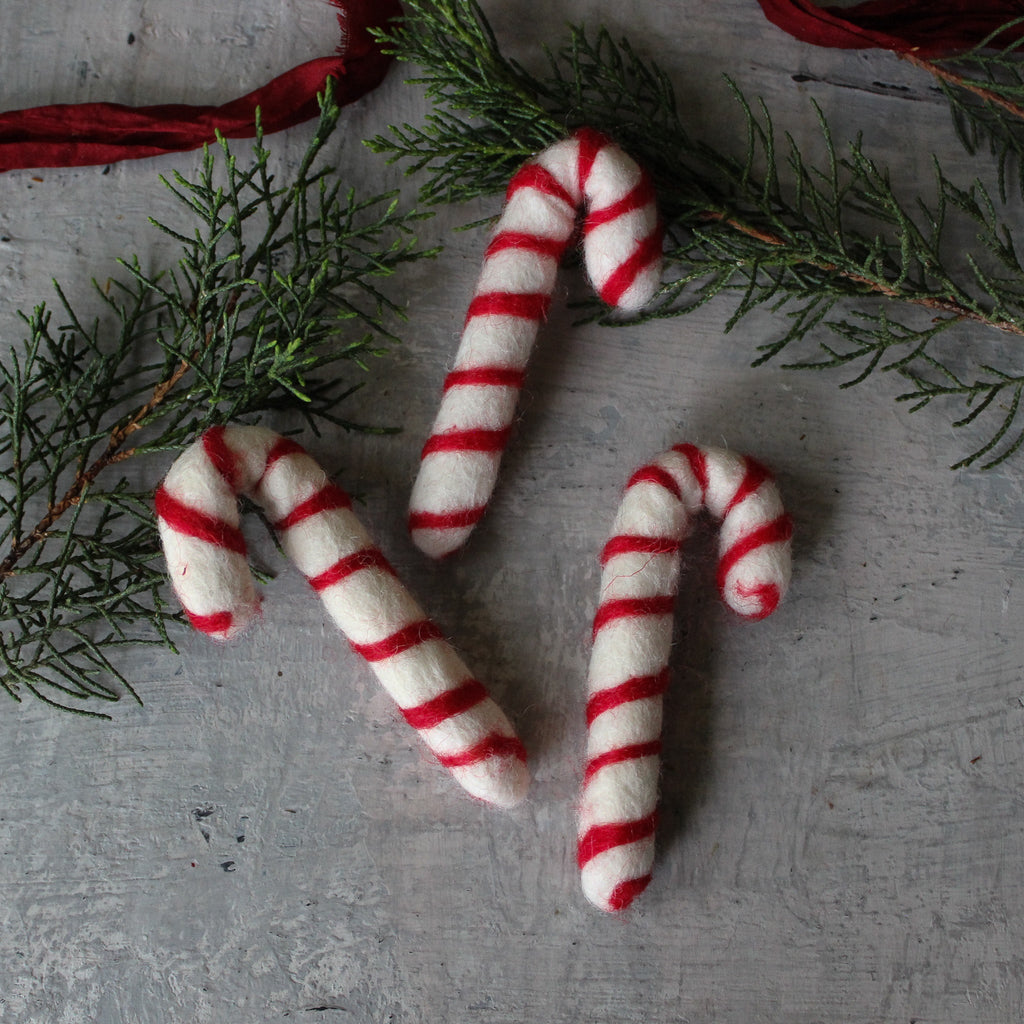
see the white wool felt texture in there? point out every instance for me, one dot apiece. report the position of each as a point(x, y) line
point(492, 340)
point(607, 246)
point(487, 408)
point(633, 637)
point(630, 860)
point(615, 646)
point(368, 603)
point(622, 790)
point(212, 578)
point(533, 213)
point(625, 726)
point(472, 475)
point(455, 483)
point(508, 272)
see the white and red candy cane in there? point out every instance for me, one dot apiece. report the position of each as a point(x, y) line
point(198, 520)
point(632, 637)
point(622, 242)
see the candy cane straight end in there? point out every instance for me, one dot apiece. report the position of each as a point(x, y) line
point(616, 875)
point(435, 537)
point(198, 520)
point(757, 596)
point(223, 626)
point(622, 242)
point(505, 781)
point(633, 636)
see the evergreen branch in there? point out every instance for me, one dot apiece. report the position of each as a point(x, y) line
point(768, 229)
point(984, 88)
point(277, 287)
point(988, 93)
point(112, 454)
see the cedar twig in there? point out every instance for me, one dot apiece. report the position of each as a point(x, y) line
point(871, 286)
point(112, 454)
point(277, 287)
point(961, 81)
point(834, 246)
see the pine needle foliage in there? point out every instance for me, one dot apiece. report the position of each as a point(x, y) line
point(984, 88)
point(852, 269)
point(276, 301)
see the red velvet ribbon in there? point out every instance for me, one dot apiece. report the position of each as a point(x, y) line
point(933, 28)
point(78, 134)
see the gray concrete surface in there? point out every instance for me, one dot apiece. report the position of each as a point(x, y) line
point(841, 836)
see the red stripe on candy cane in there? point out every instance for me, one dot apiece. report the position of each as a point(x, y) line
point(629, 663)
point(625, 276)
point(197, 513)
point(620, 755)
point(513, 304)
point(446, 705)
point(327, 499)
point(521, 241)
point(625, 892)
point(754, 476)
point(622, 241)
point(639, 197)
point(590, 145)
point(698, 465)
point(467, 441)
point(629, 544)
point(484, 376)
point(494, 746)
point(193, 522)
point(368, 558)
point(283, 447)
point(540, 179)
point(779, 531)
point(217, 624)
point(631, 608)
point(635, 688)
point(400, 641)
point(655, 475)
point(222, 457)
point(446, 520)
point(602, 838)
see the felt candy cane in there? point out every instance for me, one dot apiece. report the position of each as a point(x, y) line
point(632, 635)
point(198, 520)
point(622, 241)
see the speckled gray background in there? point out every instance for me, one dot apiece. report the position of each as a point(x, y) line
point(841, 837)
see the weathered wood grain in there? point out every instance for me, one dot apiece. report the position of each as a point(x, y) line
point(842, 836)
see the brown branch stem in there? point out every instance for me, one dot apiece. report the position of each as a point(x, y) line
point(112, 454)
point(949, 306)
point(952, 78)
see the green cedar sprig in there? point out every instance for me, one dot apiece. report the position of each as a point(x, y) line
point(276, 301)
point(829, 245)
point(984, 88)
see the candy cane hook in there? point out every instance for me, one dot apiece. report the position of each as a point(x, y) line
point(622, 241)
point(198, 520)
point(633, 633)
